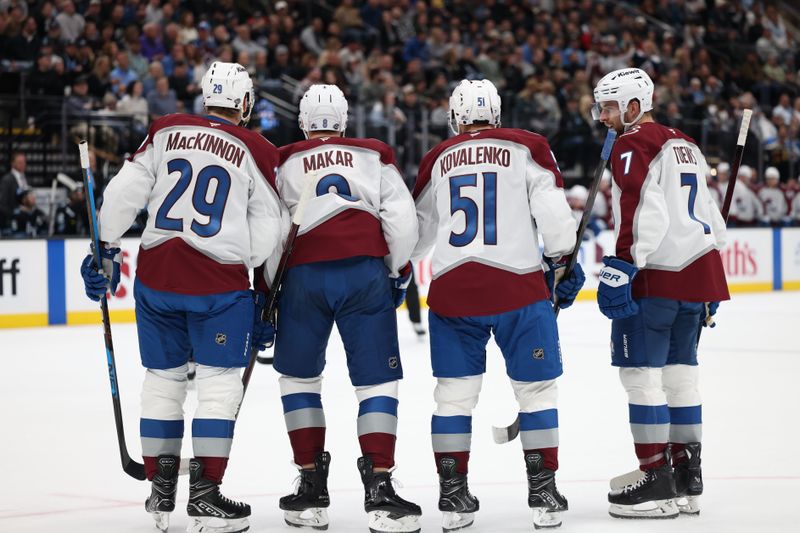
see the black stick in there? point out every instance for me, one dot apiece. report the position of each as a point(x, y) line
point(737, 161)
point(131, 467)
point(507, 434)
point(272, 300)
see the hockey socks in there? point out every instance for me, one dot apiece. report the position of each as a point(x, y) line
point(452, 437)
point(305, 419)
point(377, 422)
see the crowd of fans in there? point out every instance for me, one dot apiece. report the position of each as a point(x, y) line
point(399, 59)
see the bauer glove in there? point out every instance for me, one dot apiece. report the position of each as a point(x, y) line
point(614, 293)
point(566, 289)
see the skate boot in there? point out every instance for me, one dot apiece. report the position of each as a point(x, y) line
point(209, 511)
point(455, 501)
point(543, 496)
point(165, 484)
point(689, 480)
point(307, 506)
point(651, 496)
point(388, 512)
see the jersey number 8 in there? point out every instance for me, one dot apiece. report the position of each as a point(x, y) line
point(212, 209)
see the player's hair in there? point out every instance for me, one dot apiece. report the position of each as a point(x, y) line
point(15, 154)
point(233, 114)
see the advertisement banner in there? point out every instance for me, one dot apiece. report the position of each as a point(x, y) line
point(790, 258)
point(23, 283)
point(80, 309)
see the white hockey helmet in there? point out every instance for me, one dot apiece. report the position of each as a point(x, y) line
point(474, 101)
point(323, 108)
point(622, 86)
point(228, 85)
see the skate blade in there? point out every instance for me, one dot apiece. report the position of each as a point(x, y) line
point(162, 520)
point(455, 521)
point(388, 522)
point(654, 510)
point(212, 524)
point(688, 505)
point(545, 518)
point(314, 518)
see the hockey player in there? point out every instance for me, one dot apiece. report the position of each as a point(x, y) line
point(746, 207)
point(214, 212)
point(666, 269)
point(772, 195)
point(482, 198)
point(350, 265)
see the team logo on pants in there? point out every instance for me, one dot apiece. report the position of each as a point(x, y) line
point(393, 362)
point(538, 353)
point(221, 339)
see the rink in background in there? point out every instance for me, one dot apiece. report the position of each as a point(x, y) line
point(61, 470)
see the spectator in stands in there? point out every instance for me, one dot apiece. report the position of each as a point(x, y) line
point(162, 101)
point(72, 217)
point(27, 220)
point(71, 23)
point(154, 71)
point(134, 103)
point(99, 81)
point(152, 45)
point(25, 46)
point(783, 109)
point(10, 183)
point(44, 81)
point(123, 74)
point(312, 36)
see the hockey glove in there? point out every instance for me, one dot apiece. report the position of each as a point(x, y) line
point(708, 316)
point(566, 289)
point(400, 285)
point(614, 293)
point(263, 330)
point(97, 283)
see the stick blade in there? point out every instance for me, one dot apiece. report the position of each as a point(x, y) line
point(506, 434)
point(134, 469)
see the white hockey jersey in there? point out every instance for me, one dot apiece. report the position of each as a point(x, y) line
point(482, 199)
point(746, 206)
point(360, 205)
point(213, 209)
point(776, 207)
point(667, 222)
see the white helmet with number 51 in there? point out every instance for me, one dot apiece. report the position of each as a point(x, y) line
point(622, 86)
point(474, 101)
point(323, 108)
point(228, 85)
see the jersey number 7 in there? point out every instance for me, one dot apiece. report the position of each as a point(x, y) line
point(212, 209)
point(471, 210)
point(690, 180)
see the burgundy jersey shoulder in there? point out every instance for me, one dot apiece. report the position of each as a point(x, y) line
point(383, 150)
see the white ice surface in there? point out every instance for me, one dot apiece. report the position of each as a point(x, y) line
point(60, 465)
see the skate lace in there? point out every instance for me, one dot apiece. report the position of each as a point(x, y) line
point(640, 482)
point(396, 483)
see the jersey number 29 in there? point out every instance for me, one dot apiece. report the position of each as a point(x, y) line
point(212, 209)
point(471, 210)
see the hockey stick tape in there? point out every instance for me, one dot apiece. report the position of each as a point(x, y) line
point(83, 148)
point(745, 126)
point(309, 178)
point(608, 144)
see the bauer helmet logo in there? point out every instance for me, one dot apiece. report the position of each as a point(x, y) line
point(221, 339)
point(393, 362)
point(538, 353)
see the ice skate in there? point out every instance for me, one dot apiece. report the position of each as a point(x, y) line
point(162, 496)
point(388, 512)
point(543, 497)
point(307, 506)
point(458, 506)
point(209, 511)
point(689, 480)
point(652, 496)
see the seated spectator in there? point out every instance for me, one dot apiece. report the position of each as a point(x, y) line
point(100, 79)
point(134, 103)
point(123, 74)
point(71, 23)
point(27, 220)
point(72, 217)
point(162, 101)
point(25, 46)
point(10, 183)
point(154, 72)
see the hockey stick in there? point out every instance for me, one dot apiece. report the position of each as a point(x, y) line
point(507, 434)
point(277, 281)
point(726, 204)
point(131, 467)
